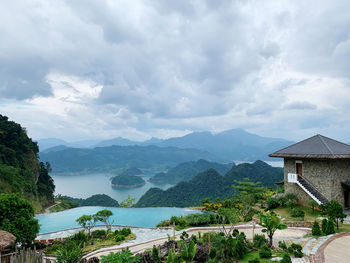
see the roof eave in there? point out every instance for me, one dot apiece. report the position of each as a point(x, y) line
point(310, 156)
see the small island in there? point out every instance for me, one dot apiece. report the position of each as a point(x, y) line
point(132, 171)
point(127, 181)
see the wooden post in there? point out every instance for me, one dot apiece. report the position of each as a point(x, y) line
point(253, 228)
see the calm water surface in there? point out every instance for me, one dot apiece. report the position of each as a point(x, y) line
point(84, 186)
point(141, 217)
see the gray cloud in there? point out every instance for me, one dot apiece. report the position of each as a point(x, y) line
point(301, 105)
point(178, 65)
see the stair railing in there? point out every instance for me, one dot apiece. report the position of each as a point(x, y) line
point(300, 177)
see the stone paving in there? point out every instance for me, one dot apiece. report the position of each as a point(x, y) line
point(338, 250)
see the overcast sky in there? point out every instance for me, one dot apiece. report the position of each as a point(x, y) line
point(106, 68)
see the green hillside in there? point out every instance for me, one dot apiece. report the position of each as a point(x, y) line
point(211, 184)
point(95, 200)
point(115, 159)
point(188, 170)
point(20, 170)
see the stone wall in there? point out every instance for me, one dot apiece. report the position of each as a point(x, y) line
point(324, 175)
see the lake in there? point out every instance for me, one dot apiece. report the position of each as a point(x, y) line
point(140, 217)
point(86, 185)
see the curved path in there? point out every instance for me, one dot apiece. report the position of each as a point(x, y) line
point(335, 249)
point(289, 233)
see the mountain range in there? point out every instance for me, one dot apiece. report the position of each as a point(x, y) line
point(115, 159)
point(235, 144)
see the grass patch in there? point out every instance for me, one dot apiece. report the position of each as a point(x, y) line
point(284, 212)
point(255, 254)
point(342, 228)
point(101, 243)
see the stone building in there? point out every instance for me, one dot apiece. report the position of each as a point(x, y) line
point(317, 168)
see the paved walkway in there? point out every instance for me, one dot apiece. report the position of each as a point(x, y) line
point(338, 250)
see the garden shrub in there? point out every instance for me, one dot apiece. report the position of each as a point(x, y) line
point(282, 200)
point(99, 233)
point(265, 252)
point(330, 229)
point(295, 249)
point(286, 259)
point(69, 253)
point(119, 238)
point(125, 231)
point(212, 253)
point(198, 219)
point(155, 255)
point(259, 241)
point(282, 245)
point(291, 200)
point(235, 232)
point(316, 230)
point(80, 237)
point(184, 235)
point(164, 223)
point(194, 238)
point(111, 236)
point(295, 212)
point(124, 256)
point(272, 203)
point(255, 260)
point(324, 225)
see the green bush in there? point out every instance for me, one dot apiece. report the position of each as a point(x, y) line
point(124, 256)
point(324, 225)
point(286, 259)
point(255, 260)
point(291, 196)
point(295, 249)
point(282, 245)
point(272, 203)
point(259, 241)
point(295, 212)
point(330, 229)
point(99, 233)
point(212, 253)
point(316, 230)
point(282, 200)
point(119, 238)
point(80, 237)
point(155, 255)
point(164, 223)
point(265, 252)
point(125, 231)
point(69, 253)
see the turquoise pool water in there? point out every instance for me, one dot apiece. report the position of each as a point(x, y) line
point(141, 217)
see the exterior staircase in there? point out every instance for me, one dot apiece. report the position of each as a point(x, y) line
point(308, 188)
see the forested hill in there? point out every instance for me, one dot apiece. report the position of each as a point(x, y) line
point(211, 184)
point(188, 170)
point(20, 170)
point(115, 159)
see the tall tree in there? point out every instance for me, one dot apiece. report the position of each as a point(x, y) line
point(105, 217)
point(335, 211)
point(87, 222)
point(17, 217)
point(271, 222)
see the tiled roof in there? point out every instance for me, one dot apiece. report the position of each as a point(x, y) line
point(317, 146)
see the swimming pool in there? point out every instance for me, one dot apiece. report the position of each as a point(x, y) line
point(139, 217)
